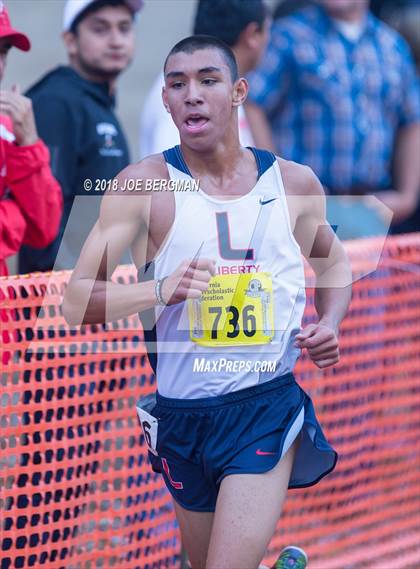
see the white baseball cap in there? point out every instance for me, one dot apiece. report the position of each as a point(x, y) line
point(73, 8)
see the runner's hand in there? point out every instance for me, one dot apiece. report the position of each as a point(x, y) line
point(189, 280)
point(322, 344)
point(19, 109)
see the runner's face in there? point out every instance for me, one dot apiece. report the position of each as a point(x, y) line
point(200, 96)
point(104, 42)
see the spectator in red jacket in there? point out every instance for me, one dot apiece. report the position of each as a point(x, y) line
point(30, 197)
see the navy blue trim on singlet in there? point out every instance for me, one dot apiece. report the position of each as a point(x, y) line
point(148, 317)
point(264, 159)
point(174, 157)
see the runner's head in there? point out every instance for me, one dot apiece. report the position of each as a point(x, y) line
point(99, 36)
point(9, 37)
point(203, 90)
point(242, 25)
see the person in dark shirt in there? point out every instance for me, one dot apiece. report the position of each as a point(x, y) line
point(74, 111)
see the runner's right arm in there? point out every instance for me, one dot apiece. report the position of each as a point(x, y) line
point(91, 297)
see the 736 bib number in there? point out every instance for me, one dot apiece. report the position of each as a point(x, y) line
point(234, 310)
point(248, 321)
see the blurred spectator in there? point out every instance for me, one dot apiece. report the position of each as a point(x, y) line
point(341, 93)
point(244, 27)
point(30, 197)
point(74, 110)
point(404, 16)
point(287, 7)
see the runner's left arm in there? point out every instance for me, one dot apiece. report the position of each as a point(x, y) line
point(327, 257)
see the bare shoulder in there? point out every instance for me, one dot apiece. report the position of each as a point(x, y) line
point(299, 180)
point(128, 199)
point(151, 167)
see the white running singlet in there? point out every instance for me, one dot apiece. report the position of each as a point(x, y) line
point(242, 331)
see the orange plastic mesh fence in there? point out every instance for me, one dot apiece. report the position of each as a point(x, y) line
point(366, 513)
point(76, 491)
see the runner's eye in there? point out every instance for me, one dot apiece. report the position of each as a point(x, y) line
point(209, 81)
point(177, 85)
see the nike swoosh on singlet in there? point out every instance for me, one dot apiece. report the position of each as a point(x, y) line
point(267, 201)
point(263, 453)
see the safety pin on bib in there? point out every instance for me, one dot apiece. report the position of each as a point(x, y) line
point(197, 330)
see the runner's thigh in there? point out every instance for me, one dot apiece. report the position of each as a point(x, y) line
point(247, 511)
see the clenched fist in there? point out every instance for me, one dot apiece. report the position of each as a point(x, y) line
point(19, 109)
point(322, 344)
point(189, 280)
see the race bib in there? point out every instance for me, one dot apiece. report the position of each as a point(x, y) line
point(235, 310)
point(149, 424)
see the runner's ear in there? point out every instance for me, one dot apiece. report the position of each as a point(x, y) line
point(240, 92)
point(165, 99)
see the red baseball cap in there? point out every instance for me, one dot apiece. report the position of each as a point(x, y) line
point(6, 31)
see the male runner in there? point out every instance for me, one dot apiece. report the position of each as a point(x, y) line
point(245, 27)
point(220, 271)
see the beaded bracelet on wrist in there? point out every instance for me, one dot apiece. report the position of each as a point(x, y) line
point(158, 291)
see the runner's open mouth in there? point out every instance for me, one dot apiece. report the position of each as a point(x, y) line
point(196, 122)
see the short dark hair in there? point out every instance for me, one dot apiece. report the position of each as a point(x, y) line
point(227, 19)
point(94, 7)
point(194, 43)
